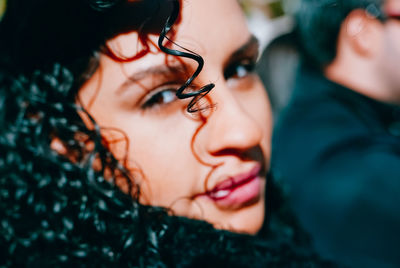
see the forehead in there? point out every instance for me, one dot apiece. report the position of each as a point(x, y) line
point(207, 27)
point(212, 22)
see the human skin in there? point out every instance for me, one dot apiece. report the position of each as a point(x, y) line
point(388, 61)
point(368, 54)
point(177, 157)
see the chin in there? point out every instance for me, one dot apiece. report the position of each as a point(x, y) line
point(248, 220)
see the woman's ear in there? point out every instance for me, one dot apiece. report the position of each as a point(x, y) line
point(361, 32)
point(57, 145)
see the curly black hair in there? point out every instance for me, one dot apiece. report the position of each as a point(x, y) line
point(57, 209)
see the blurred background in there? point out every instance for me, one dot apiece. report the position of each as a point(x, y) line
point(2, 7)
point(272, 23)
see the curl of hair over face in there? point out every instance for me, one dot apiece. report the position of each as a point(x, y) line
point(318, 26)
point(56, 209)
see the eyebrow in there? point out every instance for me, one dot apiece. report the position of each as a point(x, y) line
point(251, 47)
point(162, 70)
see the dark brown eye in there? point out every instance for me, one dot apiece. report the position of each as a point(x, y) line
point(160, 98)
point(240, 69)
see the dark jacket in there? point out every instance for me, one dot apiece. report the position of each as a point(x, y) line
point(339, 153)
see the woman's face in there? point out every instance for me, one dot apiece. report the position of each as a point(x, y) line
point(209, 165)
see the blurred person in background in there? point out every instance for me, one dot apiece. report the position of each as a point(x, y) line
point(337, 144)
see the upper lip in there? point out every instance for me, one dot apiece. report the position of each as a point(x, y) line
point(236, 180)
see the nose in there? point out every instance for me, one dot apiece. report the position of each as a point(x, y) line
point(231, 129)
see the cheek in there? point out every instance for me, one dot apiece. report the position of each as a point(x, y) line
point(259, 107)
point(157, 153)
point(253, 97)
point(392, 40)
point(391, 55)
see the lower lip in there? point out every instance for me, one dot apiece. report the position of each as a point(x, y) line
point(242, 195)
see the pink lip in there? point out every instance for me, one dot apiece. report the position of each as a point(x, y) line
point(237, 191)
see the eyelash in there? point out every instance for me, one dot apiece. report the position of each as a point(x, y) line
point(247, 68)
point(157, 97)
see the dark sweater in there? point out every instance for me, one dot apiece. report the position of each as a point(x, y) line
point(339, 153)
